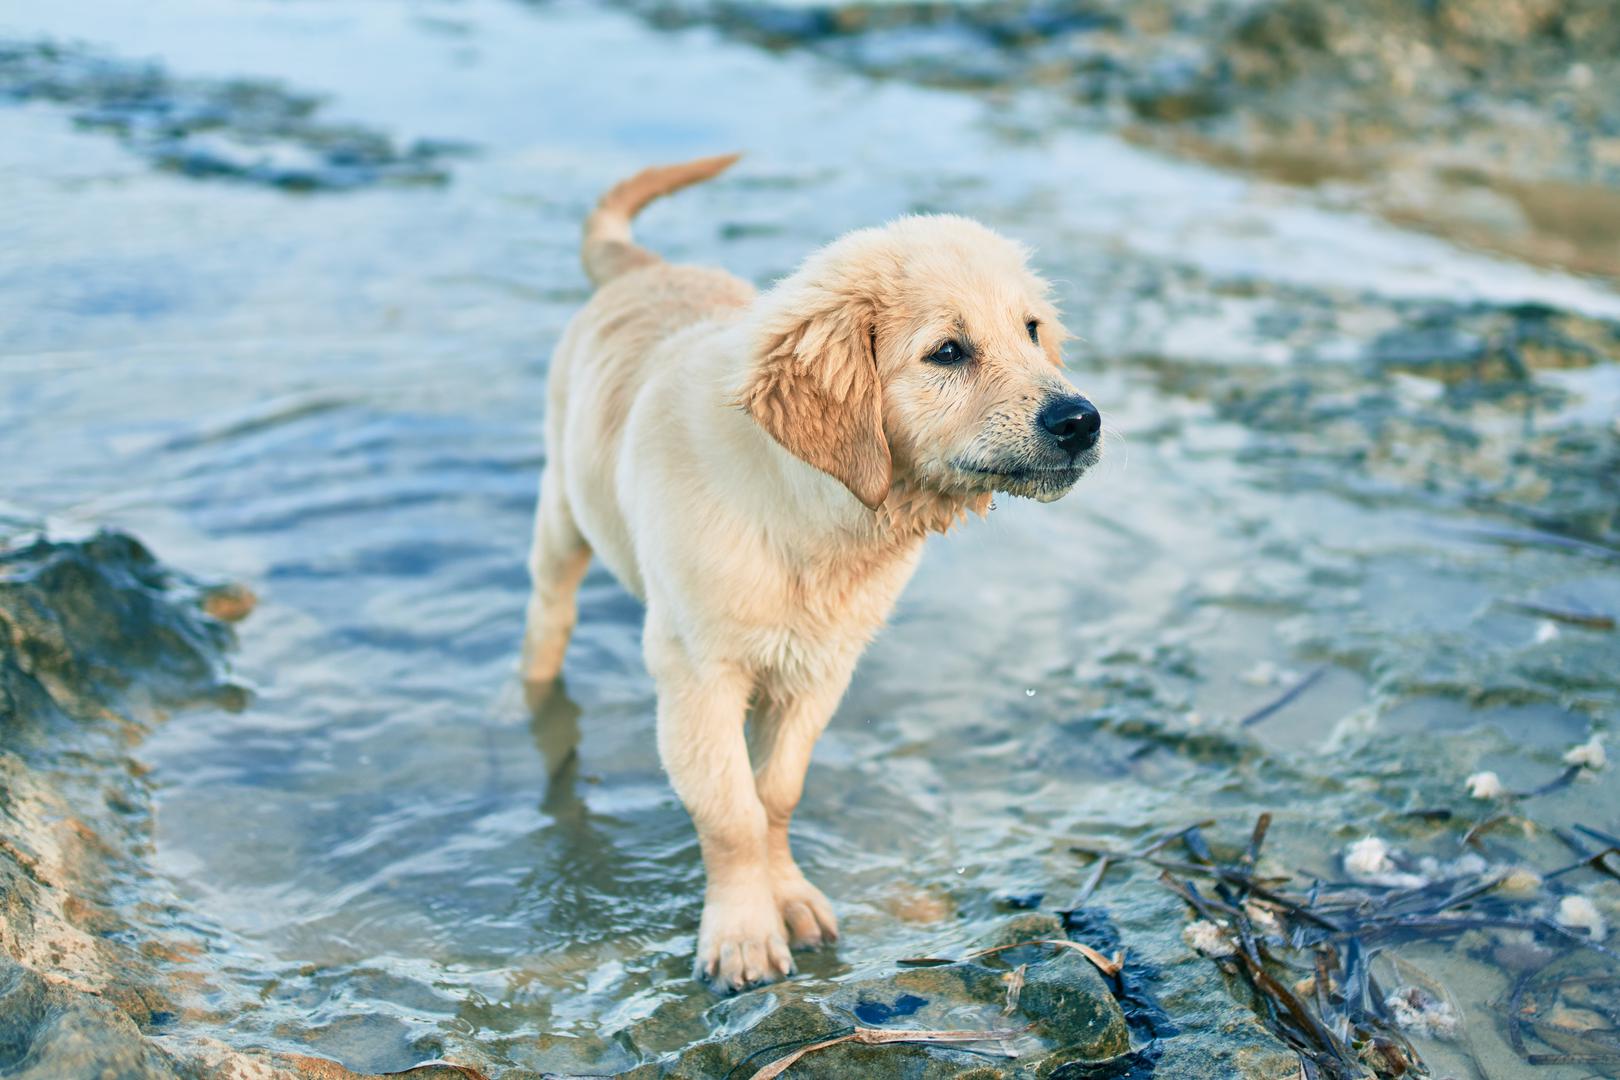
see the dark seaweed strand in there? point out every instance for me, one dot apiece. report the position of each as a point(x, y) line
point(1263, 979)
point(1293, 1022)
point(1599, 1052)
point(1323, 1050)
point(1600, 837)
point(1483, 826)
point(1257, 838)
point(1170, 838)
point(1284, 698)
point(1562, 780)
point(1590, 620)
point(1595, 862)
point(1092, 881)
point(1235, 875)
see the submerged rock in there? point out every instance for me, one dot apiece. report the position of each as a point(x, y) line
point(237, 129)
point(1074, 1006)
point(1064, 1017)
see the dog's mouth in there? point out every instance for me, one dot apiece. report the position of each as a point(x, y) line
point(1043, 482)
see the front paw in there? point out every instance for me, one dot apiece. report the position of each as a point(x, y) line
point(742, 941)
point(804, 908)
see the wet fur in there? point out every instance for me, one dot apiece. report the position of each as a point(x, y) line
point(762, 471)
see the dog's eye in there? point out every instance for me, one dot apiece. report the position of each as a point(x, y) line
point(1034, 328)
point(948, 353)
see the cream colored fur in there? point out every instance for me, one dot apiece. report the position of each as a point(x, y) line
point(762, 471)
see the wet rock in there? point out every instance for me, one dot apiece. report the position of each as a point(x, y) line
point(1446, 404)
point(1178, 85)
point(86, 623)
point(47, 1032)
point(1066, 1016)
point(96, 636)
point(1075, 1007)
point(938, 55)
point(1440, 351)
point(1020, 901)
point(1033, 926)
point(244, 130)
point(1496, 124)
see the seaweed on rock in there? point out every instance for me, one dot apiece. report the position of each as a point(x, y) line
point(1307, 952)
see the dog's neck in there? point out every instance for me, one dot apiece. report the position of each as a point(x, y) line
point(822, 507)
point(858, 540)
point(912, 511)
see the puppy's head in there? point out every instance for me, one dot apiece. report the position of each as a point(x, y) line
point(926, 351)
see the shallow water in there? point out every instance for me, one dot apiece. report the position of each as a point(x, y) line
point(337, 399)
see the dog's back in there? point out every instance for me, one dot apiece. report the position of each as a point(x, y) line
point(609, 353)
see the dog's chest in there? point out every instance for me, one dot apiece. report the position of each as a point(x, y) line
point(822, 611)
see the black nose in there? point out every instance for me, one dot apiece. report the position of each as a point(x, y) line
point(1074, 422)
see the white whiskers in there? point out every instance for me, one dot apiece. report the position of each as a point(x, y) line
point(1114, 443)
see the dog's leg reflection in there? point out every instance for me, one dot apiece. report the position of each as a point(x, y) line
point(554, 723)
point(782, 736)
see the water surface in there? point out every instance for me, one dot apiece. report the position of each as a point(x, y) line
point(338, 399)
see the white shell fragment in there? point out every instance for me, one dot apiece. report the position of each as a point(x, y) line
point(1588, 755)
point(1579, 913)
point(1368, 857)
point(1208, 939)
point(1415, 1010)
point(1367, 860)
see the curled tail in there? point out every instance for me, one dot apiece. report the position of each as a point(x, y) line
point(607, 249)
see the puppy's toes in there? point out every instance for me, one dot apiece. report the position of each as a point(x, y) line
point(742, 943)
point(781, 959)
point(739, 966)
point(803, 929)
point(824, 916)
point(806, 911)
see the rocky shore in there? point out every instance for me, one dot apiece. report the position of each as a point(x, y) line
point(1494, 123)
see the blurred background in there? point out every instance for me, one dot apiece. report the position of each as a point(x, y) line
point(278, 284)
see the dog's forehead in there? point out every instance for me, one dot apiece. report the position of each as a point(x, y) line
point(978, 275)
point(974, 298)
point(929, 245)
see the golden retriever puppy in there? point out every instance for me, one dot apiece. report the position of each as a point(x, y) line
point(762, 470)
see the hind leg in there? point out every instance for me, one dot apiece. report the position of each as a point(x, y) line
point(557, 564)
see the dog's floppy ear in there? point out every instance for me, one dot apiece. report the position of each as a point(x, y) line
point(814, 387)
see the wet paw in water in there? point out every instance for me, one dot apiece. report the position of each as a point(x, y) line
point(742, 941)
